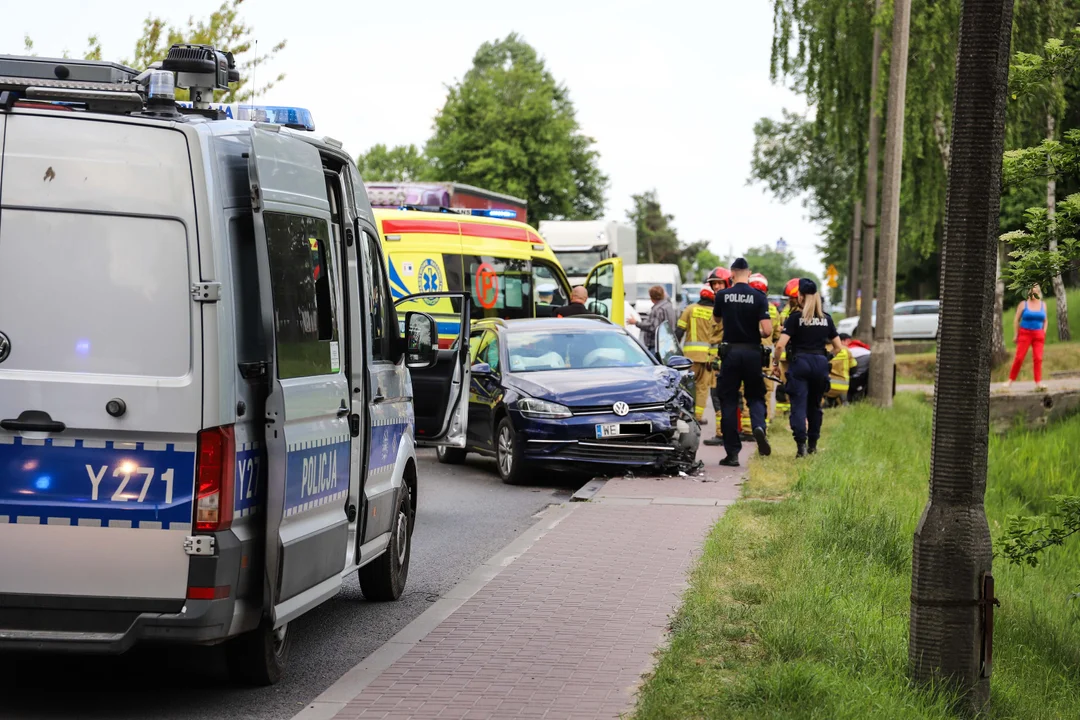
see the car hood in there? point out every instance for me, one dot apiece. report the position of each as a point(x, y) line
point(632, 385)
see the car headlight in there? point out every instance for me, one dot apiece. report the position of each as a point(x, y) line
point(532, 407)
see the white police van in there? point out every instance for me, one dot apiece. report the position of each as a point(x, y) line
point(206, 403)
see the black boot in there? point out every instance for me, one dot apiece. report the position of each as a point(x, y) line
point(714, 440)
point(802, 449)
point(762, 441)
point(730, 461)
point(811, 446)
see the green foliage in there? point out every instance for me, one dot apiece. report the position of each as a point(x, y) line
point(508, 126)
point(777, 266)
point(799, 607)
point(1032, 260)
point(402, 163)
point(1026, 537)
point(658, 242)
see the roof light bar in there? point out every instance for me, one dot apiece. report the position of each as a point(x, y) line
point(293, 117)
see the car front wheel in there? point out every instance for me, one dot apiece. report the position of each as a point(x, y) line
point(509, 455)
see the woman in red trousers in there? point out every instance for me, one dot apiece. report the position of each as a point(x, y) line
point(1030, 330)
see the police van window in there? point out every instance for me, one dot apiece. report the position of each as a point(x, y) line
point(300, 269)
point(499, 287)
point(379, 310)
point(548, 290)
point(600, 288)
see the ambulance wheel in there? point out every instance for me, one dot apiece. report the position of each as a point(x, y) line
point(384, 579)
point(509, 456)
point(450, 456)
point(258, 657)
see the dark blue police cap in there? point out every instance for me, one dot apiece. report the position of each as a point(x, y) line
point(807, 286)
point(740, 264)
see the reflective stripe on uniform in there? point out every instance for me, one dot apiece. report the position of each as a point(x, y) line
point(681, 323)
point(692, 346)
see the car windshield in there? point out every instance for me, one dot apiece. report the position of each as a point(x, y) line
point(573, 350)
point(579, 263)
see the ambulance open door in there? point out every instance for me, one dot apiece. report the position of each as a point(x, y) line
point(607, 296)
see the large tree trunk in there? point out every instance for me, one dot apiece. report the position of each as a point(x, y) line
point(851, 307)
point(864, 330)
point(952, 549)
point(883, 355)
point(1059, 286)
point(999, 354)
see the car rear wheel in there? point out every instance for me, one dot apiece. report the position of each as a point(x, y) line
point(450, 456)
point(508, 454)
point(258, 657)
point(384, 579)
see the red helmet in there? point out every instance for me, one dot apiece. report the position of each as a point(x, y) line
point(722, 274)
point(792, 288)
point(759, 282)
point(707, 293)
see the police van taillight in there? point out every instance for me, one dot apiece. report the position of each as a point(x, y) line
point(214, 479)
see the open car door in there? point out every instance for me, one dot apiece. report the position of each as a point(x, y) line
point(308, 443)
point(441, 392)
point(606, 293)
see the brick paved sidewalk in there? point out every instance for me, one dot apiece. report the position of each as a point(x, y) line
point(569, 626)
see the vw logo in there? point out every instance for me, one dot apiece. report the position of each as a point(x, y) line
point(620, 408)
point(5, 347)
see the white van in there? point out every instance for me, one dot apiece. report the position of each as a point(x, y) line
point(206, 409)
point(643, 277)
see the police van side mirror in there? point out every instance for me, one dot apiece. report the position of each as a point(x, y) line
point(421, 341)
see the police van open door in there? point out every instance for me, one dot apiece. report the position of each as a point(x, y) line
point(308, 441)
point(440, 392)
point(606, 294)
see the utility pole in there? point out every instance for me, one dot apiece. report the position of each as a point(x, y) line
point(951, 588)
point(850, 305)
point(870, 218)
point(883, 355)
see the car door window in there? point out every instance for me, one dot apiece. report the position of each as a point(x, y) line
point(548, 290)
point(380, 310)
point(304, 314)
point(926, 309)
point(601, 287)
point(904, 310)
point(486, 350)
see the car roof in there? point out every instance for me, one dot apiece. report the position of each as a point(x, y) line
point(581, 324)
point(905, 303)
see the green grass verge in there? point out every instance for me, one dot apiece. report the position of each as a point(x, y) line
point(918, 368)
point(799, 605)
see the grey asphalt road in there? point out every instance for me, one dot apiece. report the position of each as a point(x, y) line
point(465, 516)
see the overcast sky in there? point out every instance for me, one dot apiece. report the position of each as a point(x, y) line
point(669, 90)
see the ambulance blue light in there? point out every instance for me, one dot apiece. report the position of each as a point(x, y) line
point(43, 482)
point(496, 213)
point(274, 114)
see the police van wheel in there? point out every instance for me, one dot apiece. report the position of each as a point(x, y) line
point(384, 579)
point(258, 657)
point(450, 456)
point(509, 456)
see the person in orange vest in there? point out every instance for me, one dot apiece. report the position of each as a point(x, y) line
point(700, 336)
point(791, 291)
point(719, 279)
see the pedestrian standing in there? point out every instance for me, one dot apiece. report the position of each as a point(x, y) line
point(699, 332)
point(662, 313)
point(744, 313)
point(806, 333)
point(1029, 328)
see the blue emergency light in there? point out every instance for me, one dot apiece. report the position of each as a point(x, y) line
point(499, 213)
point(294, 117)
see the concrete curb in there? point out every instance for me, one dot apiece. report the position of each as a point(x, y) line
point(349, 685)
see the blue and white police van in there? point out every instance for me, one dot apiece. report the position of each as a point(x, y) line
point(207, 413)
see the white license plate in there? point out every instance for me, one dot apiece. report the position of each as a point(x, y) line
point(608, 430)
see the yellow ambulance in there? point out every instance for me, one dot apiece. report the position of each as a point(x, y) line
point(505, 266)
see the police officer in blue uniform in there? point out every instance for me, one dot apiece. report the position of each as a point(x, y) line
point(745, 314)
point(807, 332)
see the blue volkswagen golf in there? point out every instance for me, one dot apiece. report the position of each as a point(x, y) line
point(573, 393)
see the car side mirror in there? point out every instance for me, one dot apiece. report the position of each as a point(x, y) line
point(679, 362)
point(481, 368)
point(421, 341)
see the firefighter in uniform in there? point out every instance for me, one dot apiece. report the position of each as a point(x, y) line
point(719, 279)
point(744, 312)
point(699, 333)
point(791, 292)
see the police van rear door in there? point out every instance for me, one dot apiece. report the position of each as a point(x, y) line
point(101, 362)
point(307, 432)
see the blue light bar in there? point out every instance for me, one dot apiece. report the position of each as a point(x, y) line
point(496, 213)
point(296, 117)
point(501, 213)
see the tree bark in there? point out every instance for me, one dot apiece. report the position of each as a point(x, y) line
point(952, 547)
point(851, 307)
point(864, 330)
point(999, 354)
point(1059, 286)
point(883, 354)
